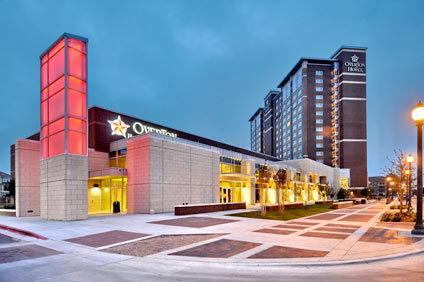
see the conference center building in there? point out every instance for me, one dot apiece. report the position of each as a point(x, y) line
point(94, 160)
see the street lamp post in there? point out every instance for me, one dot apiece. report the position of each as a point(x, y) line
point(392, 184)
point(418, 117)
point(410, 159)
point(388, 180)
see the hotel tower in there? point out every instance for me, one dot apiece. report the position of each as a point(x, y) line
point(319, 112)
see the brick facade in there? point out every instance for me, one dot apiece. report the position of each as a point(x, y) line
point(27, 157)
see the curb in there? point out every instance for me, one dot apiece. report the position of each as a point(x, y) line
point(348, 262)
point(311, 264)
point(22, 232)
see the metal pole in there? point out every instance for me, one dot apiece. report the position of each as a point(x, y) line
point(409, 186)
point(419, 228)
point(400, 194)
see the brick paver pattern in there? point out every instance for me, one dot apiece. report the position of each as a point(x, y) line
point(223, 248)
point(106, 238)
point(4, 239)
point(325, 235)
point(194, 221)
point(275, 231)
point(287, 252)
point(381, 235)
point(32, 251)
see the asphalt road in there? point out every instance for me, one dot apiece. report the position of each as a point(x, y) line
point(409, 268)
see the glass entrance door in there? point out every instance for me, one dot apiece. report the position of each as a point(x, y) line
point(225, 195)
point(102, 192)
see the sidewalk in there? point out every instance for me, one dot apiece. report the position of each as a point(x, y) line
point(340, 236)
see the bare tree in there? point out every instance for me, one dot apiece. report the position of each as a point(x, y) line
point(397, 168)
point(264, 176)
point(280, 178)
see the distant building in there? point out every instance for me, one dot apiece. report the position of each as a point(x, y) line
point(319, 113)
point(378, 185)
point(4, 179)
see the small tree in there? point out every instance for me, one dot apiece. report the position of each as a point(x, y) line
point(264, 175)
point(397, 168)
point(342, 194)
point(280, 179)
point(331, 191)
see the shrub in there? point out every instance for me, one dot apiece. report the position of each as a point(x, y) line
point(408, 216)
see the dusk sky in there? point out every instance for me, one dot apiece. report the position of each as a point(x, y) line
point(205, 66)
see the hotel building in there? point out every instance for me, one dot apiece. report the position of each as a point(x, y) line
point(319, 112)
point(95, 160)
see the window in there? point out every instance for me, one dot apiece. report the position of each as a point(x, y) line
point(318, 72)
point(319, 137)
point(319, 129)
point(320, 161)
point(319, 97)
point(319, 113)
point(319, 88)
point(319, 121)
point(318, 80)
point(319, 105)
point(320, 145)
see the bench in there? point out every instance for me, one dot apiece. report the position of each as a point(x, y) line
point(323, 202)
point(342, 205)
point(359, 201)
point(286, 206)
point(204, 208)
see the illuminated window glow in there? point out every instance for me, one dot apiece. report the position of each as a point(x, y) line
point(63, 111)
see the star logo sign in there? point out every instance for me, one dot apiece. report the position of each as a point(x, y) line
point(118, 127)
point(354, 58)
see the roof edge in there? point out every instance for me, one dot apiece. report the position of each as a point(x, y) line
point(348, 47)
point(67, 35)
point(256, 113)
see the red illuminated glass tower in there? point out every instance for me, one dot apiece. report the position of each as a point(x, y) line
point(63, 97)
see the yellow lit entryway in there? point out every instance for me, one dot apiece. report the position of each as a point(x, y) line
point(106, 193)
point(234, 191)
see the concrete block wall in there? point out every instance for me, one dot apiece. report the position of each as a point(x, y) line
point(167, 173)
point(27, 167)
point(190, 174)
point(64, 187)
point(97, 160)
point(138, 171)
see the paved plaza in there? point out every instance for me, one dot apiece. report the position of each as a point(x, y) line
point(349, 235)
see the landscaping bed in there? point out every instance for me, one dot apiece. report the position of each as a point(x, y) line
point(288, 214)
point(408, 216)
